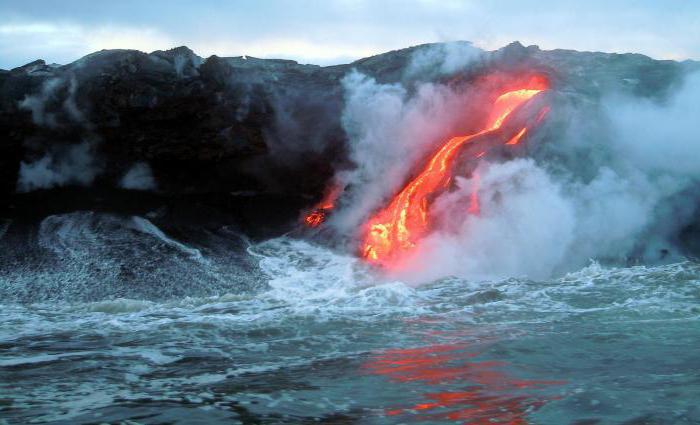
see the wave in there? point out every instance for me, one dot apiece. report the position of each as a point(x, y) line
point(303, 279)
point(89, 256)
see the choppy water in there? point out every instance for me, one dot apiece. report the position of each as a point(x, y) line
point(291, 332)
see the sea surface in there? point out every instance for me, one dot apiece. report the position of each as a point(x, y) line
point(108, 319)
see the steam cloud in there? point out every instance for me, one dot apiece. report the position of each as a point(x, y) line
point(71, 165)
point(389, 130)
point(442, 59)
point(139, 177)
point(618, 184)
point(61, 165)
point(51, 92)
point(37, 103)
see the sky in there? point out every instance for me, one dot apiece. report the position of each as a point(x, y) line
point(339, 31)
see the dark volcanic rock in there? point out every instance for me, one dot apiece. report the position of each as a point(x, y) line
point(220, 125)
point(245, 125)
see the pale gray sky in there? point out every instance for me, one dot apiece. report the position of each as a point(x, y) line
point(327, 32)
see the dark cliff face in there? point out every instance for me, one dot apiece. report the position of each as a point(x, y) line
point(198, 124)
point(226, 131)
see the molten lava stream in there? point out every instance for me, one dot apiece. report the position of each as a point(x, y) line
point(404, 221)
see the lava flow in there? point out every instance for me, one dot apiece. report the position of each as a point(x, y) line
point(405, 220)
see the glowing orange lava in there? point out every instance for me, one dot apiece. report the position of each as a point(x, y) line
point(319, 212)
point(517, 137)
point(404, 221)
point(474, 207)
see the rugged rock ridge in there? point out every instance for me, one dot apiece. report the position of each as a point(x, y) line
point(212, 127)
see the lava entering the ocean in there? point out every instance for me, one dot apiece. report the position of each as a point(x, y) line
point(399, 226)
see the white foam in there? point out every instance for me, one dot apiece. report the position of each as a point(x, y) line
point(316, 280)
point(119, 305)
point(143, 225)
point(41, 358)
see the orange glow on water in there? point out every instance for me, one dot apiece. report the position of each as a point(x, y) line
point(480, 392)
point(397, 228)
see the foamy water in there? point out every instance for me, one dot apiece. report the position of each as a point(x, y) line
point(313, 335)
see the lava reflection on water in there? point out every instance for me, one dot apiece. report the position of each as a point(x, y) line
point(480, 392)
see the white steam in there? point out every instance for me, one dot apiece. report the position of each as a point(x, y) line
point(389, 131)
point(36, 103)
point(54, 105)
point(73, 165)
point(139, 177)
point(532, 224)
point(391, 127)
point(513, 235)
point(442, 59)
point(660, 137)
point(70, 106)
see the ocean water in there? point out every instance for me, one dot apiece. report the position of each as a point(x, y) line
point(108, 319)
